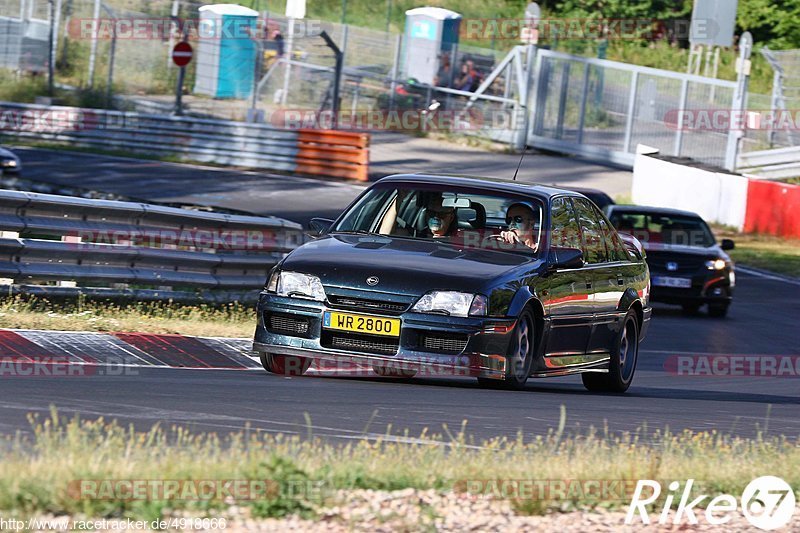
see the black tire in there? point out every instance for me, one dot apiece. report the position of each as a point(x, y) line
point(690, 309)
point(518, 369)
point(624, 356)
point(284, 365)
point(718, 310)
point(392, 372)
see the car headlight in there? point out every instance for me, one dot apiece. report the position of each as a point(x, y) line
point(296, 285)
point(452, 303)
point(10, 163)
point(716, 264)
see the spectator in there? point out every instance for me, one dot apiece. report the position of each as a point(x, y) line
point(277, 36)
point(468, 77)
point(444, 78)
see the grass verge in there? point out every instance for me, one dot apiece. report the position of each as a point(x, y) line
point(40, 473)
point(775, 254)
point(25, 312)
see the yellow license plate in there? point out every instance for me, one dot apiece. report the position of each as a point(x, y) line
point(374, 325)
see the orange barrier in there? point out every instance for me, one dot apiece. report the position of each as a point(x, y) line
point(341, 154)
point(772, 208)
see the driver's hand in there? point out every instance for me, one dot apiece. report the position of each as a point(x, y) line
point(510, 237)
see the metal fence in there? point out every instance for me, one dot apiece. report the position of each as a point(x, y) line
point(603, 108)
point(57, 244)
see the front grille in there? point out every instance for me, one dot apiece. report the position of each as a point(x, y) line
point(437, 342)
point(360, 343)
point(363, 304)
point(287, 324)
point(659, 262)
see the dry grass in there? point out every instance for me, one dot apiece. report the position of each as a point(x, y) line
point(35, 472)
point(232, 320)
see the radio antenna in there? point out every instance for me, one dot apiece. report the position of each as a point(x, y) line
point(524, 150)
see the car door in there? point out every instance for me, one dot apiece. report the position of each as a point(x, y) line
point(567, 298)
point(604, 291)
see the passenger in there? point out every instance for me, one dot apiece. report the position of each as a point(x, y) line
point(520, 219)
point(440, 219)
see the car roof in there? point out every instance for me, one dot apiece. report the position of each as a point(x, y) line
point(650, 210)
point(494, 184)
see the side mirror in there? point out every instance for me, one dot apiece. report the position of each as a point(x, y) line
point(565, 258)
point(728, 244)
point(319, 226)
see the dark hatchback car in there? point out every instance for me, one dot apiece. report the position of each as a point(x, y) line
point(687, 265)
point(492, 279)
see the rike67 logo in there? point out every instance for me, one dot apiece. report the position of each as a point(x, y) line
point(767, 502)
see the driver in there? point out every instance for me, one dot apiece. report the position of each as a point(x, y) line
point(440, 219)
point(520, 219)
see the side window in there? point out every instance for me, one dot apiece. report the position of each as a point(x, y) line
point(593, 243)
point(565, 231)
point(614, 245)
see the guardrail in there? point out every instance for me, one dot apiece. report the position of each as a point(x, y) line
point(53, 244)
point(778, 163)
point(327, 153)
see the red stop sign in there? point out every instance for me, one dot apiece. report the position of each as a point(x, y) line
point(182, 54)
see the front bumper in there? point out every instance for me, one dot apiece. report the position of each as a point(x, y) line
point(483, 353)
point(706, 287)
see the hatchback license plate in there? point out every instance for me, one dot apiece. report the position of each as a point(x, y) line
point(374, 325)
point(665, 281)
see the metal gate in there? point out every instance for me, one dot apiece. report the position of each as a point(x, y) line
point(602, 109)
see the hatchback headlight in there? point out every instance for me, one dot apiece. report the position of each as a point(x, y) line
point(452, 303)
point(716, 264)
point(296, 285)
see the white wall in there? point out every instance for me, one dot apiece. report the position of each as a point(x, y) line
point(715, 196)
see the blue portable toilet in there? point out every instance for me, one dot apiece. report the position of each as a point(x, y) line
point(430, 32)
point(226, 52)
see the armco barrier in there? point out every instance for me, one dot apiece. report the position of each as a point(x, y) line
point(110, 248)
point(312, 152)
point(773, 208)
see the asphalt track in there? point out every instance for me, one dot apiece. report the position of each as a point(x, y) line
point(761, 322)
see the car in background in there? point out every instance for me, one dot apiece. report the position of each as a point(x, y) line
point(418, 275)
point(688, 267)
point(10, 163)
point(600, 199)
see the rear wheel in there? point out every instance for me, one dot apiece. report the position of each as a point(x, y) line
point(622, 366)
point(519, 358)
point(717, 310)
point(284, 365)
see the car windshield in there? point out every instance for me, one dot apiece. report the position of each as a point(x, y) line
point(467, 217)
point(673, 229)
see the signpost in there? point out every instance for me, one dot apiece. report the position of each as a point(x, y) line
point(181, 55)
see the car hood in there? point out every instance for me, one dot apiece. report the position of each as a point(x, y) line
point(8, 154)
point(660, 249)
point(403, 266)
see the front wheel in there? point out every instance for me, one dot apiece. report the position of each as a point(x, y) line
point(519, 359)
point(623, 360)
point(284, 365)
